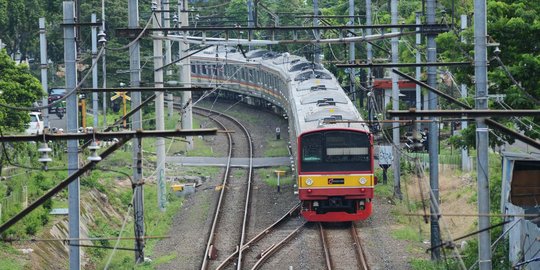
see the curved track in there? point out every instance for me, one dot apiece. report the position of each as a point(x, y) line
point(221, 237)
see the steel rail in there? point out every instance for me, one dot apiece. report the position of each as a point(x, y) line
point(258, 237)
point(249, 180)
point(359, 249)
point(249, 177)
point(327, 256)
point(210, 240)
point(269, 252)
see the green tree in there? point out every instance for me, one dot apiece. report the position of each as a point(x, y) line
point(18, 87)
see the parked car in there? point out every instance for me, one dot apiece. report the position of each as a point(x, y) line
point(54, 95)
point(36, 124)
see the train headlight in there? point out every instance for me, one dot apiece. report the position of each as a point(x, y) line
point(309, 182)
point(363, 180)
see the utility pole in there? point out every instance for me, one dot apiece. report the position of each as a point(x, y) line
point(185, 74)
point(465, 164)
point(160, 118)
point(135, 78)
point(44, 69)
point(395, 104)
point(433, 136)
point(317, 54)
point(418, 69)
point(369, 53)
point(168, 53)
point(94, 71)
point(70, 56)
point(352, 73)
point(250, 18)
point(482, 138)
point(104, 63)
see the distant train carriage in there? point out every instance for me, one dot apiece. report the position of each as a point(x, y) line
point(333, 149)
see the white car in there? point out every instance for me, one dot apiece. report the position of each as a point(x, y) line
point(36, 124)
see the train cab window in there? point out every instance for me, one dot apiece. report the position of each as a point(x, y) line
point(336, 150)
point(312, 148)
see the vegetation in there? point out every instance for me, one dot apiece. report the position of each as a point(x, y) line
point(18, 88)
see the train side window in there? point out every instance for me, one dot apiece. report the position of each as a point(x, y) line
point(203, 69)
point(250, 75)
point(193, 69)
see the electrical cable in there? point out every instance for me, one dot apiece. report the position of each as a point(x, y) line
point(121, 231)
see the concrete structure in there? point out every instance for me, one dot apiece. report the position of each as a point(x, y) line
point(520, 186)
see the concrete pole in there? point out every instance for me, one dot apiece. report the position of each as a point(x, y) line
point(250, 18)
point(185, 76)
point(352, 52)
point(395, 104)
point(44, 70)
point(317, 54)
point(369, 48)
point(104, 67)
point(168, 53)
point(160, 117)
point(94, 71)
point(72, 126)
point(418, 69)
point(135, 78)
point(482, 138)
point(433, 137)
point(465, 164)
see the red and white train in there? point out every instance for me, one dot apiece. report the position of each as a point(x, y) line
point(333, 151)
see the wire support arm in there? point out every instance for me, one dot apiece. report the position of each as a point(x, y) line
point(488, 121)
point(110, 135)
point(457, 113)
point(145, 89)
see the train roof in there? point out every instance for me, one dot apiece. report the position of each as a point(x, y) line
point(315, 95)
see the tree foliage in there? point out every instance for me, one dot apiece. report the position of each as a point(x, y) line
point(18, 87)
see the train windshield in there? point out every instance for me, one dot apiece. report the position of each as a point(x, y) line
point(335, 151)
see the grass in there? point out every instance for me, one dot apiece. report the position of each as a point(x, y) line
point(420, 264)
point(405, 233)
point(276, 148)
point(270, 177)
point(10, 258)
point(156, 223)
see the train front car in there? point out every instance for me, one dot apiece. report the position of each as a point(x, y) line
point(335, 178)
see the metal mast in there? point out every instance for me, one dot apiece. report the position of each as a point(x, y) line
point(94, 71)
point(317, 54)
point(433, 137)
point(185, 74)
point(168, 53)
point(135, 78)
point(44, 69)
point(160, 117)
point(352, 73)
point(418, 68)
point(70, 56)
point(482, 138)
point(465, 164)
point(395, 105)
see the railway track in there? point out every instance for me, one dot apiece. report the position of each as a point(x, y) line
point(228, 230)
point(267, 242)
point(337, 241)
